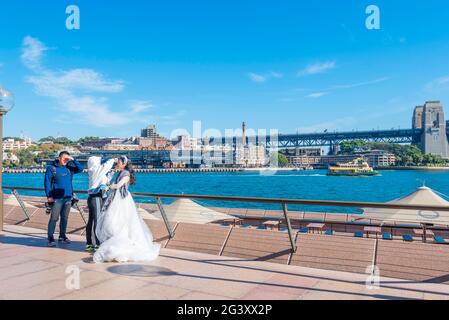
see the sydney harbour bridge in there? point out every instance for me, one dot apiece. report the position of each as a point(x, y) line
point(429, 132)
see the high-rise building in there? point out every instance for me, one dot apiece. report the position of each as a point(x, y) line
point(150, 139)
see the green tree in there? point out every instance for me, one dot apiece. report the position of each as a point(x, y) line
point(282, 160)
point(27, 158)
point(47, 139)
point(63, 140)
point(348, 147)
point(84, 139)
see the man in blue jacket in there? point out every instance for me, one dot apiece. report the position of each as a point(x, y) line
point(59, 191)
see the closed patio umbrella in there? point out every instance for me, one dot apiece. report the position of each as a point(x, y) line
point(188, 211)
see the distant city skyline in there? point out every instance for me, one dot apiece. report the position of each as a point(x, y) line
point(286, 65)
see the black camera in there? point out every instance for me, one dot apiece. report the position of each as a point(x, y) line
point(75, 201)
point(49, 207)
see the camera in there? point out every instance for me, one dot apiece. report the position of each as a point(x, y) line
point(75, 201)
point(49, 207)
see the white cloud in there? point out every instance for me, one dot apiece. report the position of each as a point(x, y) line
point(320, 93)
point(360, 84)
point(32, 52)
point(257, 77)
point(317, 94)
point(138, 106)
point(317, 68)
point(438, 83)
point(76, 90)
point(260, 78)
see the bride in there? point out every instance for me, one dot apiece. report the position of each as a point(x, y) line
point(123, 234)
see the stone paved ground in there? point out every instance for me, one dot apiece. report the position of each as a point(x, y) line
point(30, 270)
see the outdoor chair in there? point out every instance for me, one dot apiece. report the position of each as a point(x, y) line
point(407, 238)
point(387, 236)
point(359, 234)
point(439, 240)
point(303, 230)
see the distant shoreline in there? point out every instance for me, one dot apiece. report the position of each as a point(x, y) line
point(173, 170)
point(234, 170)
point(425, 168)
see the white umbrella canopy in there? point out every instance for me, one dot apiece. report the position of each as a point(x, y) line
point(422, 196)
point(188, 211)
point(146, 215)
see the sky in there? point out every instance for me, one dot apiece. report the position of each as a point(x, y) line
point(294, 66)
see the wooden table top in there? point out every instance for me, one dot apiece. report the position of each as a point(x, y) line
point(373, 229)
point(316, 225)
point(421, 232)
point(271, 223)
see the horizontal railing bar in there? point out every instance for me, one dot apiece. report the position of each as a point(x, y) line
point(326, 203)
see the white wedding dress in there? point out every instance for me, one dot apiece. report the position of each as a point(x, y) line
point(123, 234)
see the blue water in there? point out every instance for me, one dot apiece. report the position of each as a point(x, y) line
point(300, 185)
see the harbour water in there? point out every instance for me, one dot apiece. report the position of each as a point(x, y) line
point(390, 184)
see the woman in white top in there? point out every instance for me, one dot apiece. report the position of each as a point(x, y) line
point(123, 234)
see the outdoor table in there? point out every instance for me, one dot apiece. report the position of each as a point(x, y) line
point(374, 230)
point(315, 227)
point(420, 232)
point(234, 221)
point(272, 223)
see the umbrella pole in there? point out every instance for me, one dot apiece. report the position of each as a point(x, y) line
point(424, 236)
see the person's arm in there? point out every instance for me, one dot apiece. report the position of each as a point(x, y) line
point(121, 183)
point(75, 166)
point(48, 183)
point(106, 167)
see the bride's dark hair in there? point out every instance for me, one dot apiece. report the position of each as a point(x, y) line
point(129, 167)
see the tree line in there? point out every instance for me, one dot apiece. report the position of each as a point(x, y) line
point(406, 155)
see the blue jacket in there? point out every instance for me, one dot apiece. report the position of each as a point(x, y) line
point(58, 179)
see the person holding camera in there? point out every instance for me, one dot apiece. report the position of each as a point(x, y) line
point(98, 171)
point(59, 190)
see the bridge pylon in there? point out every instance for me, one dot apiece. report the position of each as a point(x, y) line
point(430, 119)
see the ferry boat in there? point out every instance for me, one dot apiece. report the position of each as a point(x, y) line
point(357, 167)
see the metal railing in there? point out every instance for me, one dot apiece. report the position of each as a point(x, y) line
point(280, 201)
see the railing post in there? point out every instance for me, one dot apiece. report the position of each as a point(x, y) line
point(289, 227)
point(81, 211)
point(22, 205)
point(165, 218)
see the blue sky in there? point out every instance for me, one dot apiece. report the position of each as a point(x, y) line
point(290, 65)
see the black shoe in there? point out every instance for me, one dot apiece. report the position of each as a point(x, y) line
point(64, 240)
point(51, 243)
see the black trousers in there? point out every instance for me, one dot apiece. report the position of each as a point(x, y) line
point(95, 203)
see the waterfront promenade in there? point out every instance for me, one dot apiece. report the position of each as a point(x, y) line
point(30, 270)
point(413, 261)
